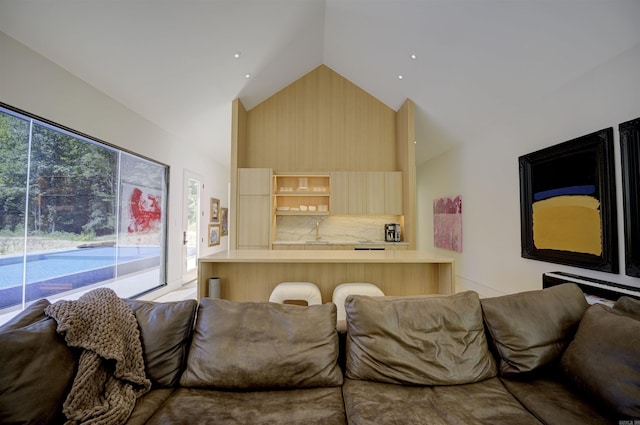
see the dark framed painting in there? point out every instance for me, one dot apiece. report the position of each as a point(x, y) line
point(568, 205)
point(630, 156)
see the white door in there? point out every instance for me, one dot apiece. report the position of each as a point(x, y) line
point(190, 226)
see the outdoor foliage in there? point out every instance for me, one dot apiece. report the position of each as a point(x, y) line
point(72, 183)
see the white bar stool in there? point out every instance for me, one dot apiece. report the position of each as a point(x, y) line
point(296, 291)
point(341, 292)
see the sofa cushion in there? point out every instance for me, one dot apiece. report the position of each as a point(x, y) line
point(263, 345)
point(486, 402)
point(628, 306)
point(603, 360)
point(34, 312)
point(147, 405)
point(165, 332)
point(37, 370)
point(308, 406)
point(532, 329)
point(423, 340)
point(553, 400)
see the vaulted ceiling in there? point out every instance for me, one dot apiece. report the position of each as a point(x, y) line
point(172, 61)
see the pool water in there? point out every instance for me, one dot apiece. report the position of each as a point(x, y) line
point(46, 266)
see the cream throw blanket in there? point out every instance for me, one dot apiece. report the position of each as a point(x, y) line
point(110, 373)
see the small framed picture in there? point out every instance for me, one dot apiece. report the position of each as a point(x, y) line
point(214, 214)
point(214, 234)
point(224, 231)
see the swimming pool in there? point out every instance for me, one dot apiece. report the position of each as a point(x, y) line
point(53, 272)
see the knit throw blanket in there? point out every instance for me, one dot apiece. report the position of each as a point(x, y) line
point(110, 373)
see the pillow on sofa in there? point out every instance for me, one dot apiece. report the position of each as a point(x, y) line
point(248, 345)
point(165, 332)
point(37, 370)
point(532, 329)
point(34, 312)
point(423, 340)
point(603, 360)
point(628, 306)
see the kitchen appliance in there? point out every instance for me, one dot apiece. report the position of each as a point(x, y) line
point(392, 232)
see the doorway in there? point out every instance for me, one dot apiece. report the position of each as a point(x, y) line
point(190, 226)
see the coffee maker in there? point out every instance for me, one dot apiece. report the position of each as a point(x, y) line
point(392, 232)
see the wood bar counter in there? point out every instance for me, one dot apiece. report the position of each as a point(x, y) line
point(251, 275)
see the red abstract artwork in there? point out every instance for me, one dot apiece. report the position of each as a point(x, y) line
point(145, 211)
point(447, 223)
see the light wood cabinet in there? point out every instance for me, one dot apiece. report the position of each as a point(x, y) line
point(254, 208)
point(254, 181)
point(357, 192)
point(376, 192)
point(393, 193)
point(370, 192)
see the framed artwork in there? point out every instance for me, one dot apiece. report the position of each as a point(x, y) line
point(630, 156)
point(568, 205)
point(214, 210)
point(447, 223)
point(214, 234)
point(224, 226)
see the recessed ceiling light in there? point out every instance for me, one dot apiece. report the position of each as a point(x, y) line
point(400, 77)
point(247, 75)
point(236, 55)
point(413, 56)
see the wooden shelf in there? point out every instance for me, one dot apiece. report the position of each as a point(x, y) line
point(303, 194)
point(302, 213)
point(318, 193)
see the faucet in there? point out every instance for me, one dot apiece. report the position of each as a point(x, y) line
point(317, 230)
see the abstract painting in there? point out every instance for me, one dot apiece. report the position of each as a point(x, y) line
point(567, 200)
point(447, 223)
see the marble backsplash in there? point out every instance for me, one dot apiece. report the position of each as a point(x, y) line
point(338, 228)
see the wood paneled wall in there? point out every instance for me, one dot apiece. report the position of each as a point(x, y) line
point(320, 122)
point(238, 139)
point(406, 154)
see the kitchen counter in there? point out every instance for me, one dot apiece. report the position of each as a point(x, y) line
point(338, 245)
point(251, 275)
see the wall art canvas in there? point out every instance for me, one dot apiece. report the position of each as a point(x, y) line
point(214, 234)
point(447, 223)
point(567, 203)
point(224, 222)
point(630, 155)
point(214, 210)
point(141, 209)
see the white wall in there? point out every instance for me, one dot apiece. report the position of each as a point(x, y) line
point(30, 82)
point(485, 172)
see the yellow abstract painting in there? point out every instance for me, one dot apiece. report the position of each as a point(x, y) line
point(568, 223)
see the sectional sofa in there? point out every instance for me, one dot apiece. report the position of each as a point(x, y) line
point(537, 357)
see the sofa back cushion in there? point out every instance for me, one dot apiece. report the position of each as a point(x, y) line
point(603, 360)
point(34, 312)
point(532, 329)
point(422, 340)
point(36, 370)
point(244, 345)
point(165, 333)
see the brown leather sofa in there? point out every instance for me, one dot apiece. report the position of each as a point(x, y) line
point(536, 357)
